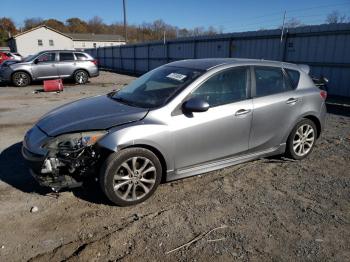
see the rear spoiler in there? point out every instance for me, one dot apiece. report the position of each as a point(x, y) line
point(304, 68)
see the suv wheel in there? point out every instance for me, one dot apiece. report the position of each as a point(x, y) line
point(20, 79)
point(130, 176)
point(302, 139)
point(81, 77)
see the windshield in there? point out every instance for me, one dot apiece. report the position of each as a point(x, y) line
point(157, 87)
point(28, 58)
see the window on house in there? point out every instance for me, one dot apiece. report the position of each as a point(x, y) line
point(51, 43)
point(40, 42)
point(94, 45)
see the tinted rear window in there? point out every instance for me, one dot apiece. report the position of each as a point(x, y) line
point(66, 57)
point(81, 56)
point(269, 81)
point(294, 77)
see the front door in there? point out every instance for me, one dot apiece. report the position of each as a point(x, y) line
point(44, 66)
point(224, 129)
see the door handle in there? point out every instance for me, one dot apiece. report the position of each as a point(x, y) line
point(291, 101)
point(53, 65)
point(242, 112)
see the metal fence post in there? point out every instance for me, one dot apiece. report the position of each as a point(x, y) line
point(284, 47)
point(148, 66)
point(134, 58)
point(121, 59)
point(194, 49)
point(113, 62)
point(230, 41)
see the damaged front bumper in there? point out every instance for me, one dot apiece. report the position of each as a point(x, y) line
point(43, 171)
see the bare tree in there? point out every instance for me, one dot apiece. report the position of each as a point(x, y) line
point(335, 17)
point(30, 23)
point(96, 25)
point(292, 23)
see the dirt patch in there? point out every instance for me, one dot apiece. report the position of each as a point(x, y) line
point(269, 209)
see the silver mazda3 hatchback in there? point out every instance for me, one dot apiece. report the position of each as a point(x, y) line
point(181, 119)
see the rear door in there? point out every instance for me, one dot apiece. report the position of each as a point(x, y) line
point(67, 64)
point(45, 66)
point(275, 108)
point(223, 130)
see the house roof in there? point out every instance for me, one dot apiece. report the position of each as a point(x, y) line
point(40, 26)
point(96, 37)
point(77, 37)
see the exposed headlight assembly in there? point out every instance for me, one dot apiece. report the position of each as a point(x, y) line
point(75, 141)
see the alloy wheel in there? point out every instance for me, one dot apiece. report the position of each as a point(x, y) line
point(303, 140)
point(21, 79)
point(134, 178)
point(80, 77)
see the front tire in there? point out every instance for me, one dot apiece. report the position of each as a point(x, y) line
point(81, 77)
point(21, 79)
point(302, 139)
point(130, 176)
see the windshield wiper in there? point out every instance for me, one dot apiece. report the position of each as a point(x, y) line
point(124, 101)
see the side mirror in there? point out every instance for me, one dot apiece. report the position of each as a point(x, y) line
point(36, 61)
point(195, 105)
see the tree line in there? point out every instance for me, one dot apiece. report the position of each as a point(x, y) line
point(136, 33)
point(156, 30)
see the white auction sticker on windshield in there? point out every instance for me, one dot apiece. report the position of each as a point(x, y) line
point(176, 76)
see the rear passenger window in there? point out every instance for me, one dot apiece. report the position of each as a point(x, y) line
point(294, 77)
point(66, 57)
point(269, 81)
point(225, 87)
point(81, 56)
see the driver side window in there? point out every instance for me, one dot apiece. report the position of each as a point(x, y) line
point(47, 57)
point(225, 87)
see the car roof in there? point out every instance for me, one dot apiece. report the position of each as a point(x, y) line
point(210, 63)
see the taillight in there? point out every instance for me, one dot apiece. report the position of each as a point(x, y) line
point(95, 61)
point(323, 94)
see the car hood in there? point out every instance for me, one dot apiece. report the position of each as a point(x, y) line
point(94, 113)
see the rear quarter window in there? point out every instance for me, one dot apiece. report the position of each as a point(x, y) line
point(81, 56)
point(294, 77)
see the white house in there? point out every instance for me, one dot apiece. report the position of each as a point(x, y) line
point(82, 41)
point(45, 38)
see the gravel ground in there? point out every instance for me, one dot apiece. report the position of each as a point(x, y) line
point(269, 209)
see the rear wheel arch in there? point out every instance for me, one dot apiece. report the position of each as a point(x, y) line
point(81, 69)
point(317, 123)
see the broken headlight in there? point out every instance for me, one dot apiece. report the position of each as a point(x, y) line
point(68, 143)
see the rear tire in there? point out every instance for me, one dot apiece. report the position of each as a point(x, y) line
point(130, 176)
point(302, 139)
point(21, 79)
point(81, 77)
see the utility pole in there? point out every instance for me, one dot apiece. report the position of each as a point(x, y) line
point(284, 20)
point(125, 30)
